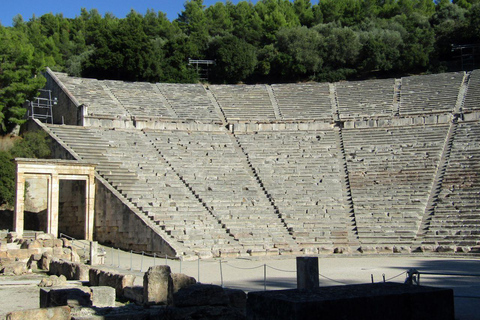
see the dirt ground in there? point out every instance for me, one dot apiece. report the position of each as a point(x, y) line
point(257, 274)
point(19, 293)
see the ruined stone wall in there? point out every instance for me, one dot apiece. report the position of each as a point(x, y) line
point(36, 195)
point(116, 223)
point(66, 111)
point(71, 211)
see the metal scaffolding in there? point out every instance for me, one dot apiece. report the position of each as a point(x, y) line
point(202, 67)
point(41, 107)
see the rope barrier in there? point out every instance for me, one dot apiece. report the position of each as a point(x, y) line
point(281, 269)
point(321, 275)
point(225, 263)
point(242, 268)
point(398, 275)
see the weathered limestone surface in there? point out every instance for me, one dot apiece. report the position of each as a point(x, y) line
point(158, 285)
point(368, 191)
point(57, 313)
point(103, 296)
point(73, 297)
point(71, 270)
point(181, 281)
point(111, 278)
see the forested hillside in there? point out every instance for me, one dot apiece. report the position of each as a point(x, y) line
point(270, 41)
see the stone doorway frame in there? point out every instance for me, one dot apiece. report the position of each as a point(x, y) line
point(54, 171)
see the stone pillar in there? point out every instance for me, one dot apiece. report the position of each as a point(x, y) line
point(18, 221)
point(158, 286)
point(93, 253)
point(307, 273)
point(89, 206)
point(53, 197)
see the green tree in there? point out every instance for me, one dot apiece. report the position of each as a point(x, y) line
point(419, 39)
point(304, 12)
point(247, 24)
point(32, 145)
point(219, 20)
point(276, 14)
point(235, 59)
point(340, 51)
point(20, 77)
point(193, 21)
point(380, 50)
point(299, 52)
point(466, 4)
point(450, 24)
point(7, 179)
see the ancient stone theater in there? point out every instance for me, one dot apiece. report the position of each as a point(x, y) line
point(192, 170)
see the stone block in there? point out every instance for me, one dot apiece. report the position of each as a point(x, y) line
point(72, 297)
point(310, 250)
point(385, 249)
point(103, 297)
point(364, 302)
point(53, 281)
point(158, 285)
point(307, 273)
point(201, 295)
point(236, 298)
point(66, 243)
point(44, 236)
point(14, 268)
point(112, 279)
point(48, 243)
point(401, 249)
point(44, 262)
point(446, 249)
point(181, 281)
point(367, 249)
point(134, 293)
point(57, 313)
point(81, 272)
point(21, 254)
point(57, 243)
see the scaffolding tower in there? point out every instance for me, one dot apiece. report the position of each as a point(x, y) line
point(467, 55)
point(41, 107)
point(202, 67)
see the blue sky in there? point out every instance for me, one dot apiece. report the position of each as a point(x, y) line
point(71, 8)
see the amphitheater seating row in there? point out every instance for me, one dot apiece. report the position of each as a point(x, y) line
point(213, 167)
point(140, 99)
point(131, 164)
point(284, 190)
point(244, 102)
point(365, 98)
point(456, 218)
point(92, 92)
point(305, 101)
point(354, 99)
point(472, 98)
point(430, 93)
point(301, 172)
point(391, 171)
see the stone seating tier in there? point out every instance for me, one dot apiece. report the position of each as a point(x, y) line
point(415, 95)
point(472, 98)
point(391, 172)
point(430, 93)
point(456, 215)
